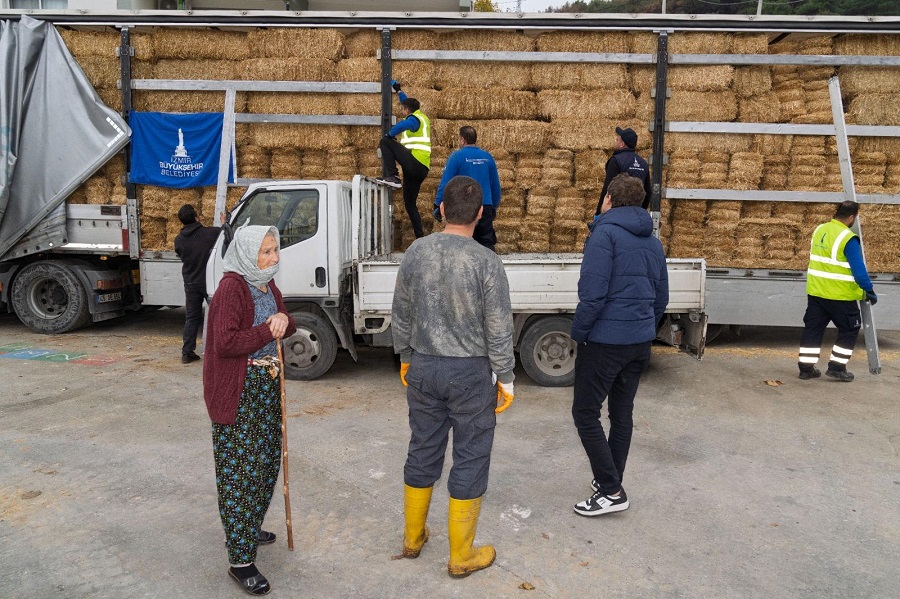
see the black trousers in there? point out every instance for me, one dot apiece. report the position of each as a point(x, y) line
point(414, 172)
point(484, 228)
point(819, 312)
point(607, 371)
point(194, 296)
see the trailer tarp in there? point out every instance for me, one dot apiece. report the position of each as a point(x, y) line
point(55, 132)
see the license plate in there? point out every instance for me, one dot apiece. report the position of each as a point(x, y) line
point(109, 297)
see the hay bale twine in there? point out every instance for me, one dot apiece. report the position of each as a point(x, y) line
point(196, 44)
point(553, 75)
point(293, 41)
point(701, 78)
point(287, 68)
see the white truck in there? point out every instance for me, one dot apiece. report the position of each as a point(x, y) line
point(338, 272)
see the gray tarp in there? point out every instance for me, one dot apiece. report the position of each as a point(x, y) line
point(55, 132)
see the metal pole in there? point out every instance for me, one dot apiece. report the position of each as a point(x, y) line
point(758, 7)
point(658, 128)
point(843, 148)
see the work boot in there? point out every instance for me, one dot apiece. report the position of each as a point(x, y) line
point(840, 375)
point(415, 534)
point(810, 373)
point(462, 520)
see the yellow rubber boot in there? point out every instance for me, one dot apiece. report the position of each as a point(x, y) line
point(416, 502)
point(462, 520)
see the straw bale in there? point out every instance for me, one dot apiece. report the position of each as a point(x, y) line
point(705, 141)
point(866, 80)
point(748, 43)
point(291, 103)
point(642, 42)
point(185, 101)
point(306, 137)
point(692, 211)
point(153, 233)
point(306, 43)
point(752, 81)
point(287, 68)
point(875, 109)
point(589, 169)
point(698, 43)
point(818, 44)
point(365, 138)
point(701, 78)
point(534, 236)
point(507, 228)
point(718, 106)
point(286, 163)
point(816, 75)
point(184, 43)
point(713, 179)
point(511, 75)
point(792, 212)
point(411, 39)
point(785, 75)
point(111, 97)
point(90, 43)
point(583, 41)
point(764, 108)
point(101, 72)
point(357, 104)
point(416, 74)
point(196, 69)
point(114, 169)
point(515, 136)
point(253, 162)
point(809, 144)
point(359, 69)
point(568, 105)
point(793, 102)
point(865, 44)
point(643, 78)
point(486, 39)
point(773, 144)
point(754, 212)
point(554, 75)
point(468, 103)
point(98, 190)
point(528, 171)
point(745, 170)
point(362, 43)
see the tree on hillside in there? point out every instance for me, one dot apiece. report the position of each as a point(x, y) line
point(486, 6)
point(733, 7)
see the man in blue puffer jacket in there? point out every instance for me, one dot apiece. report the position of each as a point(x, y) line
point(622, 294)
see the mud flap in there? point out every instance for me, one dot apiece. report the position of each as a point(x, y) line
point(343, 330)
point(687, 332)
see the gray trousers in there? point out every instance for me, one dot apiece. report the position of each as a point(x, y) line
point(447, 393)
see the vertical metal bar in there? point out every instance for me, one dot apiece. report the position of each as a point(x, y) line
point(843, 148)
point(225, 154)
point(659, 127)
point(131, 203)
point(387, 108)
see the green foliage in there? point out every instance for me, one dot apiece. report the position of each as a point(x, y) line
point(734, 7)
point(486, 6)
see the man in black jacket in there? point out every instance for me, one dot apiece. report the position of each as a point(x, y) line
point(193, 245)
point(625, 160)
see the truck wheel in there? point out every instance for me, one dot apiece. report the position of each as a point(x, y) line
point(548, 353)
point(310, 352)
point(48, 298)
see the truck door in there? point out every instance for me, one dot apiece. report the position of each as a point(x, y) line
point(300, 215)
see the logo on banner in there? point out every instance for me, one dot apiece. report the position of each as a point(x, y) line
point(180, 163)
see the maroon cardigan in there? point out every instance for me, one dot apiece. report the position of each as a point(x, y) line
point(230, 339)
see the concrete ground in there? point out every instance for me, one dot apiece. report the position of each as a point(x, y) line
point(738, 488)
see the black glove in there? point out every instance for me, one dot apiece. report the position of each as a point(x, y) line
point(870, 295)
point(395, 85)
point(389, 136)
point(437, 214)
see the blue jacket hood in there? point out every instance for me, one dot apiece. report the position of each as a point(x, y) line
point(633, 219)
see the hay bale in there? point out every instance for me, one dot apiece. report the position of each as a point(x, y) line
point(253, 162)
point(98, 190)
point(745, 170)
point(534, 236)
point(793, 102)
point(111, 97)
point(809, 144)
point(717, 106)
point(412, 39)
point(553, 75)
point(286, 163)
point(757, 213)
point(359, 69)
point(101, 72)
point(698, 43)
point(868, 80)
point(775, 171)
point(515, 136)
point(752, 81)
point(196, 69)
point(599, 42)
point(568, 105)
point(765, 108)
point(314, 164)
point(773, 144)
point(589, 168)
point(561, 134)
point(516, 76)
point(467, 103)
point(290, 103)
point(414, 74)
point(153, 233)
point(643, 78)
point(304, 137)
point(365, 137)
point(642, 42)
point(287, 68)
point(528, 170)
point(486, 39)
point(868, 45)
point(359, 104)
point(705, 141)
point(306, 43)
point(114, 169)
point(816, 75)
point(701, 78)
point(362, 43)
point(195, 44)
point(185, 101)
point(82, 44)
point(748, 43)
point(875, 109)
point(817, 44)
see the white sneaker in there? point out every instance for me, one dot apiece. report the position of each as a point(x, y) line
point(599, 504)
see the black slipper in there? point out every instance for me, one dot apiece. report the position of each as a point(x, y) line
point(253, 585)
point(265, 537)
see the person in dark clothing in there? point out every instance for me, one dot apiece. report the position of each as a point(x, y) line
point(193, 245)
point(625, 160)
point(622, 294)
point(412, 153)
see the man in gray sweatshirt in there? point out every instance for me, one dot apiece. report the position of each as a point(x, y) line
point(452, 325)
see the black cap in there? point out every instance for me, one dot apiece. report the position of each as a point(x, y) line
point(628, 136)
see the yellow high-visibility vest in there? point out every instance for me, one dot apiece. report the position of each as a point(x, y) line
point(419, 141)
point(829, 275)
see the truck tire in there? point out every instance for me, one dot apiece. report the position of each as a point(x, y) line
point(310, 352)
point(548, 353)
point(48, 298)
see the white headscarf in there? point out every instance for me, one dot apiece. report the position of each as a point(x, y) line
point(243, 254)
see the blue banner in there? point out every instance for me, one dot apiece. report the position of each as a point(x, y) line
point(177, 150)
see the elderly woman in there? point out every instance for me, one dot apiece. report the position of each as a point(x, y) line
point(247, 317)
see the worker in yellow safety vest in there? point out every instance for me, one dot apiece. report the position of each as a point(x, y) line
point(412, 152)
point(836, 280)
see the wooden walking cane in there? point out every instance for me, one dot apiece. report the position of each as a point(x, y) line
point(284, 452)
